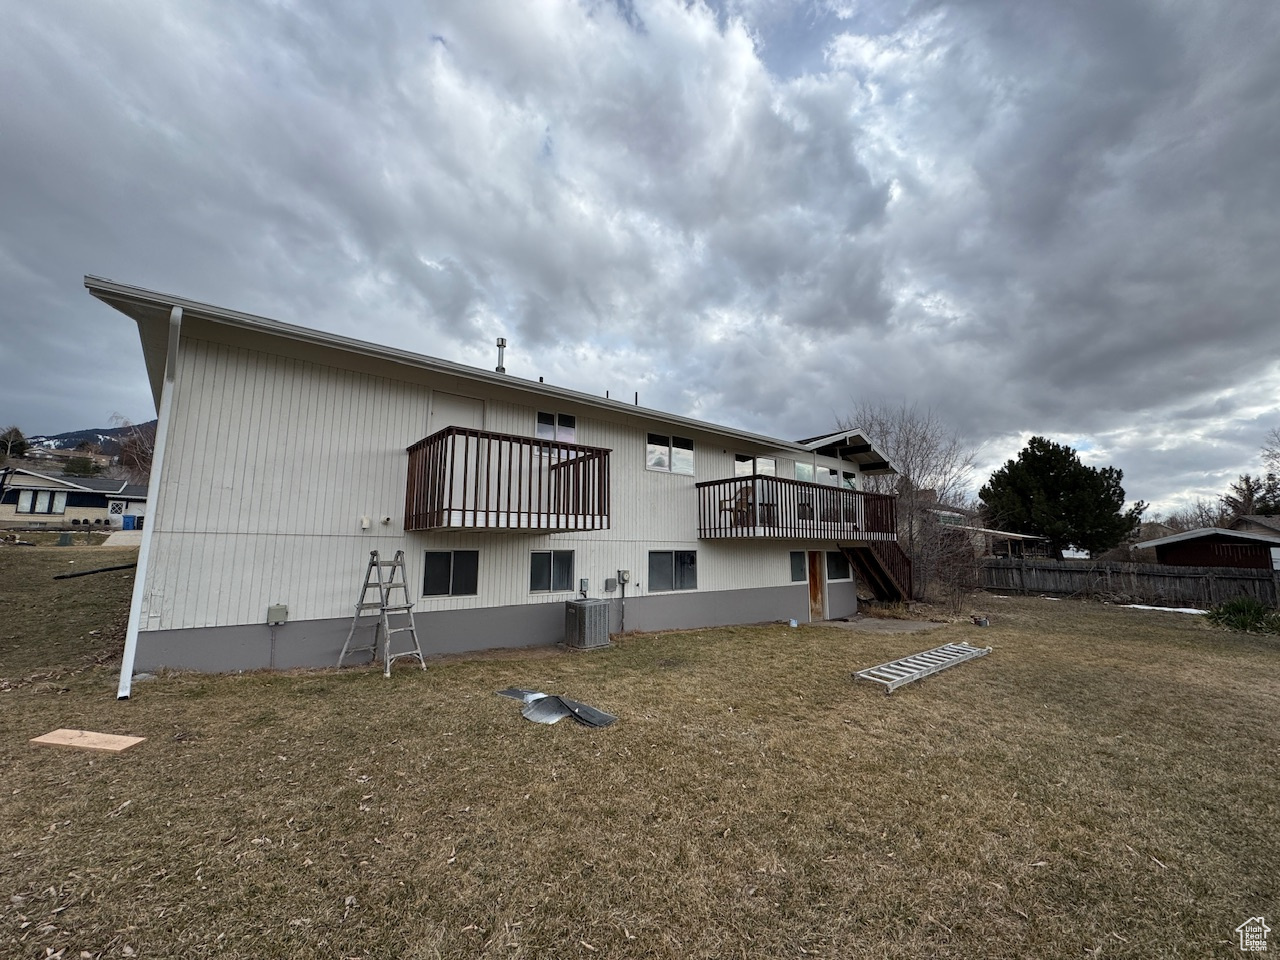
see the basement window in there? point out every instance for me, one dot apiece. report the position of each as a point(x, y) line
point(799, 569)
point(838, 566)
point(673, 570)
point(550, 570)
point(450, 573)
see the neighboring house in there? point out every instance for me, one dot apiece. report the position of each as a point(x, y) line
point(1252, 523)
point(1217, 547)
point(285, 455)
point(986, 542)
point(32, 499)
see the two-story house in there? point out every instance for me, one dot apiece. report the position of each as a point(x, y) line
point(284, 455)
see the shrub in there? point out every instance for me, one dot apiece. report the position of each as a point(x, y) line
point(1246, 613)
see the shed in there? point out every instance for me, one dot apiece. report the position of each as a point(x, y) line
point(1217, 547)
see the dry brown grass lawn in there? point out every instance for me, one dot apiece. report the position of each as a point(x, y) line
point(1103, 784)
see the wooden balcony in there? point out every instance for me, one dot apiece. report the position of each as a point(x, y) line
point(774, 508)
point(463, 479)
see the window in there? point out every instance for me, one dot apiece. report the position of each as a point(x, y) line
point(744, 465)
point(838, 566)
point(804, 471)
point(115, 507)
point(850, 480)
point(799, 570)
point(450, 573)
point(561, 427)
point(673, 570)
point(551, 570)
point(673, 454)
point(42, 501)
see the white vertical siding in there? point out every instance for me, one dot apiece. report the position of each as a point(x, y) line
point(273, 462)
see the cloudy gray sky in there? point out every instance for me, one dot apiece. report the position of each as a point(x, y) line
point(1036, 217)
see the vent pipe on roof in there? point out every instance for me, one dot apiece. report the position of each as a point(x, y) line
point(502, 346)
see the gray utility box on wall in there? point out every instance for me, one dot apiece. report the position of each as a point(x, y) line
point(586, 624)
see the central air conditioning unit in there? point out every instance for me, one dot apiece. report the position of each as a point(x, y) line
point(586, 624)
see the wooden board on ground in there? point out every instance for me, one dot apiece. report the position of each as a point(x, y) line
point(88, 740)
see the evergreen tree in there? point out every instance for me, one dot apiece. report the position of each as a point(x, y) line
point(1048, 492)
point(1251, 495)
point(81, 467)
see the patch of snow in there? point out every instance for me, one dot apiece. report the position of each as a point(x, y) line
point(1143, 606)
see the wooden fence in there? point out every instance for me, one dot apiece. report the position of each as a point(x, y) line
point(1152, 583)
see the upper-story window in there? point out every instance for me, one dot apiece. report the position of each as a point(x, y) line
point(804, 471)
point(561, 427)
point(849, 480)
point(827, 476)
point(745, 465)
point(673, 454)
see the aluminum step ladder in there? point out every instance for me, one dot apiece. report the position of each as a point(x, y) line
point(896, 673)
point(393, 601)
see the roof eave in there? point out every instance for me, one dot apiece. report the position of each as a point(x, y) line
point(120, 296)
point(1203, 532)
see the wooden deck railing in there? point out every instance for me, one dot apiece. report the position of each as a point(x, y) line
point(461, 478)
point(771, 507)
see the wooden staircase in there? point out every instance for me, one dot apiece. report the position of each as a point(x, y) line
point(884, 567)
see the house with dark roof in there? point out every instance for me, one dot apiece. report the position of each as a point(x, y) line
point(32, 499)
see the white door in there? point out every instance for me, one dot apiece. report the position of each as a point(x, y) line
point(451, 410)
point(468, 490)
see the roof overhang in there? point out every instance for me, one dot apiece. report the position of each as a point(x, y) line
point(995, 533)
point(151, 309)
point(55, 483)
point(855, 446)
point(1203, 532)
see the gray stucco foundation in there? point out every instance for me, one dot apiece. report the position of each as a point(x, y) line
point(317, 643)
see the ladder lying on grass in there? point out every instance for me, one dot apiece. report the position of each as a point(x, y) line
point(393, 601)
point(896, 673)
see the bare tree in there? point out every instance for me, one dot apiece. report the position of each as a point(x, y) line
point(137, 447)
point(12, 443)
point(1271, 451)
point(1202, 513)
point(936, 468)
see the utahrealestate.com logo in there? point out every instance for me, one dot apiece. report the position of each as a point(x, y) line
point(1253, 935)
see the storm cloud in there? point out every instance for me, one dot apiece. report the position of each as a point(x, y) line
point(1036, 218)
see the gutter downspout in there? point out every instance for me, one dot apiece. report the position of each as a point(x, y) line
point(153, 484)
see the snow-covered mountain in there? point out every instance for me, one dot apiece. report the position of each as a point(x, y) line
point(106, 437)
